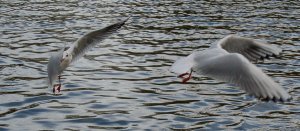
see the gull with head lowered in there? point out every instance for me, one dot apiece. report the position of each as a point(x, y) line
point(61, 60)
point(229, 60)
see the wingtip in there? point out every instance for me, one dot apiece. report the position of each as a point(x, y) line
point(127, 18)
point(276, 50)
point(121, 23)
point(274, 99)
point(124, 21)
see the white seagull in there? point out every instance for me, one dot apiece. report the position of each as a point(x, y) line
point(61, 60)
point(228, 61)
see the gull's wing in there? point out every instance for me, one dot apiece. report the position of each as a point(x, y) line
point(53, 67)
point(236, 69)
point(91, 39)
point(250, 48)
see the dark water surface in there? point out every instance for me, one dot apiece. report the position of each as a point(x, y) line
point(124, 83)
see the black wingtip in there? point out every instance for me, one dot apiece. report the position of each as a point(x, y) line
point(114, 27)
point(124, 21)
point(274, 99)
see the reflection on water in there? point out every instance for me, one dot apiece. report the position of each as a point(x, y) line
point(124, 83)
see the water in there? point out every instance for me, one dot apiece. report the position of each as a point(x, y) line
point(124, 82)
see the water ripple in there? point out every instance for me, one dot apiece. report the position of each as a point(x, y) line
point(124, 83)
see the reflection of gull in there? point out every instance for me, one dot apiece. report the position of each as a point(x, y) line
point(228, 61)
point(60, 61)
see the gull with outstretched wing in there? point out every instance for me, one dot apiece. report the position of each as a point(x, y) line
point(62, 59)
point(229, 60)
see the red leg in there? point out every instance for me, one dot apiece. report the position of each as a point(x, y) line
point(56, 87)
point(188, 78)
point(182, 75)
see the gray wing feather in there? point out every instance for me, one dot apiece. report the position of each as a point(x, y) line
point(91, 39)
point(236, 69)
point(253, 50)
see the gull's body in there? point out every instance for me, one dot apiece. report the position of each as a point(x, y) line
point(228, 60)
point(61, 60)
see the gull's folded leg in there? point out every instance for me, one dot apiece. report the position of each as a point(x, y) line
point(56, 87)
point(188, 78)
point(182, 75)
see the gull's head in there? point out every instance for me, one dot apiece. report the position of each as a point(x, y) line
point(66, 59)
point(66, 55)
point(181, 66)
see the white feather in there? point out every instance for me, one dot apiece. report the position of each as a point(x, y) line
point(60, 61)
point(227, 61)
point(183, 65)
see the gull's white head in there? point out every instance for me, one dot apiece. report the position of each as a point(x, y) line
point(66, 55)
point(183, 65)
point(65, 60)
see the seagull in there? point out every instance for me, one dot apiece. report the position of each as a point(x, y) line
point(64, 57)
point(228, 60)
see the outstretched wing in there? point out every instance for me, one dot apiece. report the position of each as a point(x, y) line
point(91, 39)
point(236, 69)
point(250, 48)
